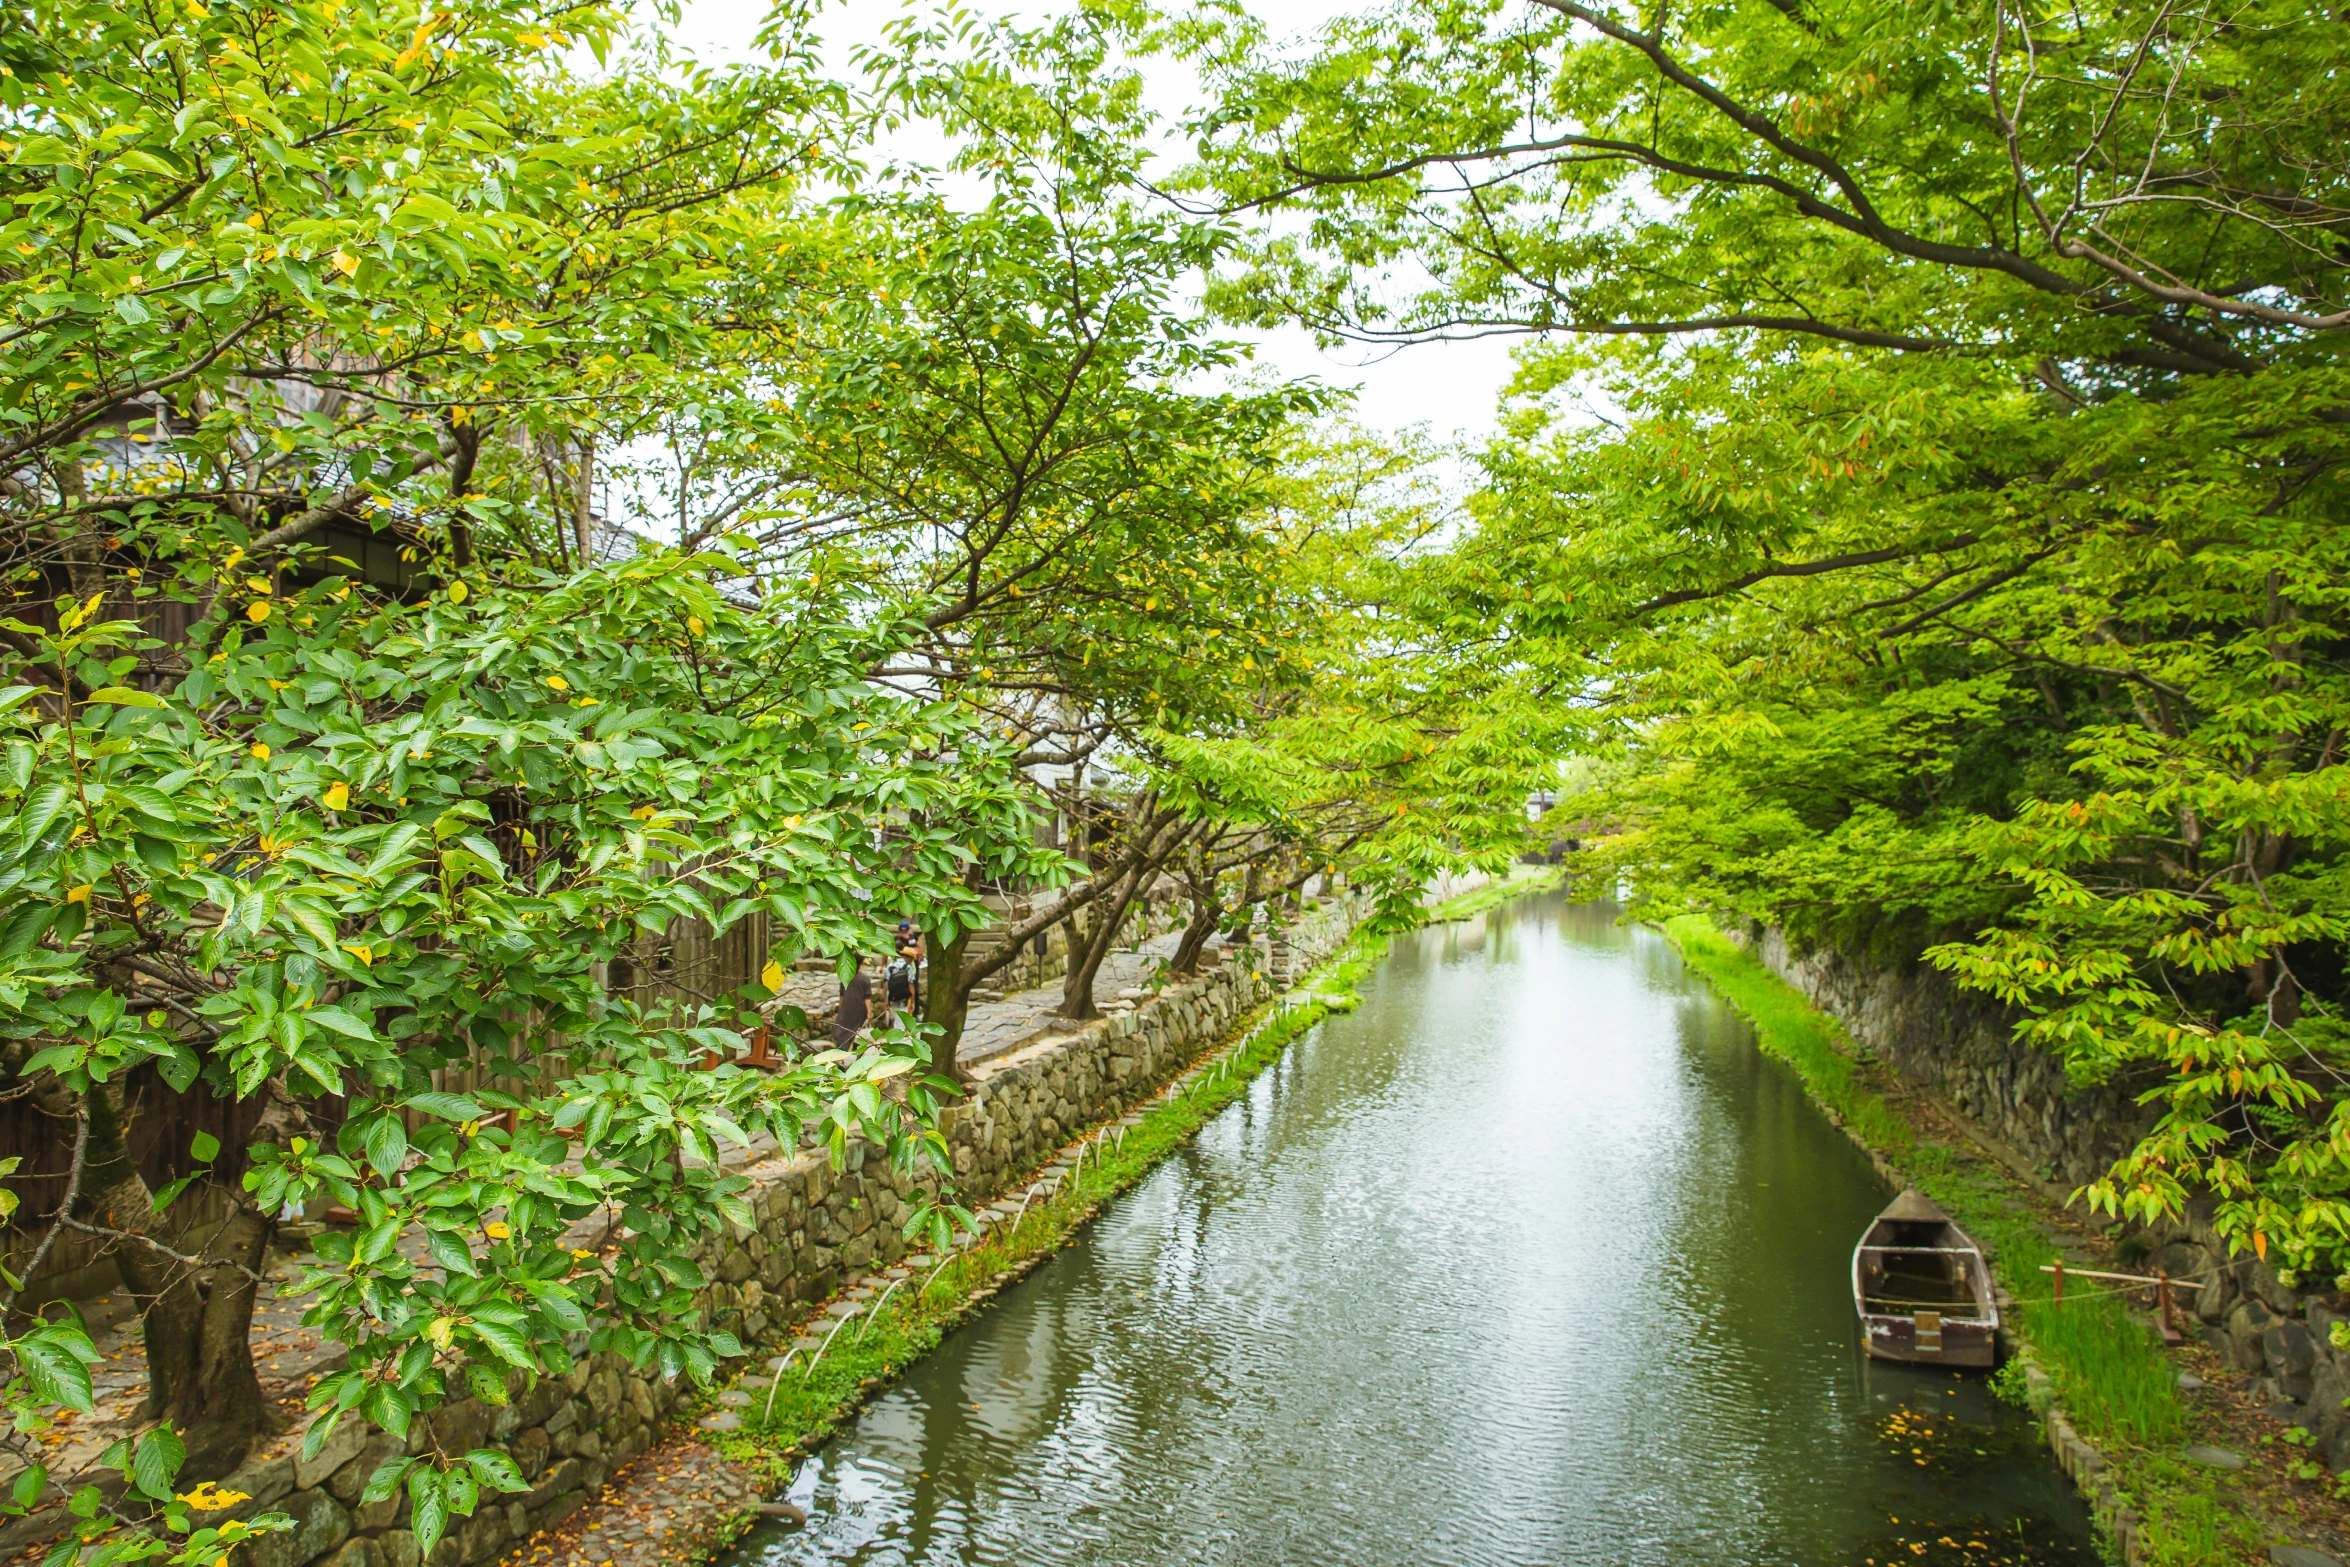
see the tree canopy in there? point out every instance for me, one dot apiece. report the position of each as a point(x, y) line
point(354, 747)
point(1925, 484)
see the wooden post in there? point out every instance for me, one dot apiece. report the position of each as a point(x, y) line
point(2059, 1282)
point(762, 1048)
point(2167, 1317)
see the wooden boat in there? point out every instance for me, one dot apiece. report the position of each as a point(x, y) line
point(1922, 1289)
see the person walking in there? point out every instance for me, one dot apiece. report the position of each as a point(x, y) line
point(855, 1010)
point(902, 982)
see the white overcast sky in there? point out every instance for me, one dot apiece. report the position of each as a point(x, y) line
point(1450, 388)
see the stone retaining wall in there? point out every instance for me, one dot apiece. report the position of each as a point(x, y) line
point(815, 1225)
point(2281, 1334)
point(1962, 1047)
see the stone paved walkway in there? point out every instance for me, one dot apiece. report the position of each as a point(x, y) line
point(664, 1508)
point(992, 1028)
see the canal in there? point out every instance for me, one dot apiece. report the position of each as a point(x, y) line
point(1532, 1259)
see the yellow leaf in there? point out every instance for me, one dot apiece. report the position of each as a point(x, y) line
point(79, 894)
point(260, 752)
point(558, 682)
point(693, 623)
point(258, 584)
point(772, 975)
point(346, 263)
point(338, 797)
point(257, 611)
point(497, 1232)
point(2260, 1245)
point(365, 955)
point(457, 592)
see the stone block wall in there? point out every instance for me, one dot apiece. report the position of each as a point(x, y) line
point(817, 1226)
point(2281, 1334)
point(1962, 1046)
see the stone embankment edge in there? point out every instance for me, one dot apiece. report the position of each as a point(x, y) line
point(2081, 1462)
point(1176, 1113)
point(815, 1227)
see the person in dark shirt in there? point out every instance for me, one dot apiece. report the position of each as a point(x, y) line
point(856, 1007)
point(903, 978)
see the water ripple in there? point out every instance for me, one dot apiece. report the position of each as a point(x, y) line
point(1530, 1260)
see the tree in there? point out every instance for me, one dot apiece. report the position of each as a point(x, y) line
point(993, 413)
point(1953, 562)
point(310, 826)
point(1867, 177)
point(477, 801)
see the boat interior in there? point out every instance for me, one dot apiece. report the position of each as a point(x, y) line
point(1908, 1266)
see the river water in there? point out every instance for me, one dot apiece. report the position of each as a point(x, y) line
point(1533, 1259)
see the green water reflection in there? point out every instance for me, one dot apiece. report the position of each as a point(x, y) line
point(1532, 1259)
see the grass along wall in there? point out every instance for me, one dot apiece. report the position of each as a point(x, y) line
point(2094, 1369)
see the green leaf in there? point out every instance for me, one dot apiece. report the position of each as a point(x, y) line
point(563, 1311)
point(205, 1147)
point(387, 1145)
point(431, 1509)
point(507, 1343)
point(451, 1252)
point(57, 1359)
point(170, 1193)
point(343, 1023)
point(449, 1107)
point(29, 1486)
point(497, 1471)
point(314, 1440)
point(386, 1479)
point(157, 1462)
point(124, 696)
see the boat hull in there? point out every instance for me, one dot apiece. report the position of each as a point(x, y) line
point(1969, 1344)
point(1922, 1289)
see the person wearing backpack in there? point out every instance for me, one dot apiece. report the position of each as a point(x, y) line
point(902, 980)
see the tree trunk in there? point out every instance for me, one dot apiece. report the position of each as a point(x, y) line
point(1109, 918)
point(218, 1403)
point(583, 515)
point(1194, 939)
point(468, 438)
point(197, 1321)
point(946, 1001)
